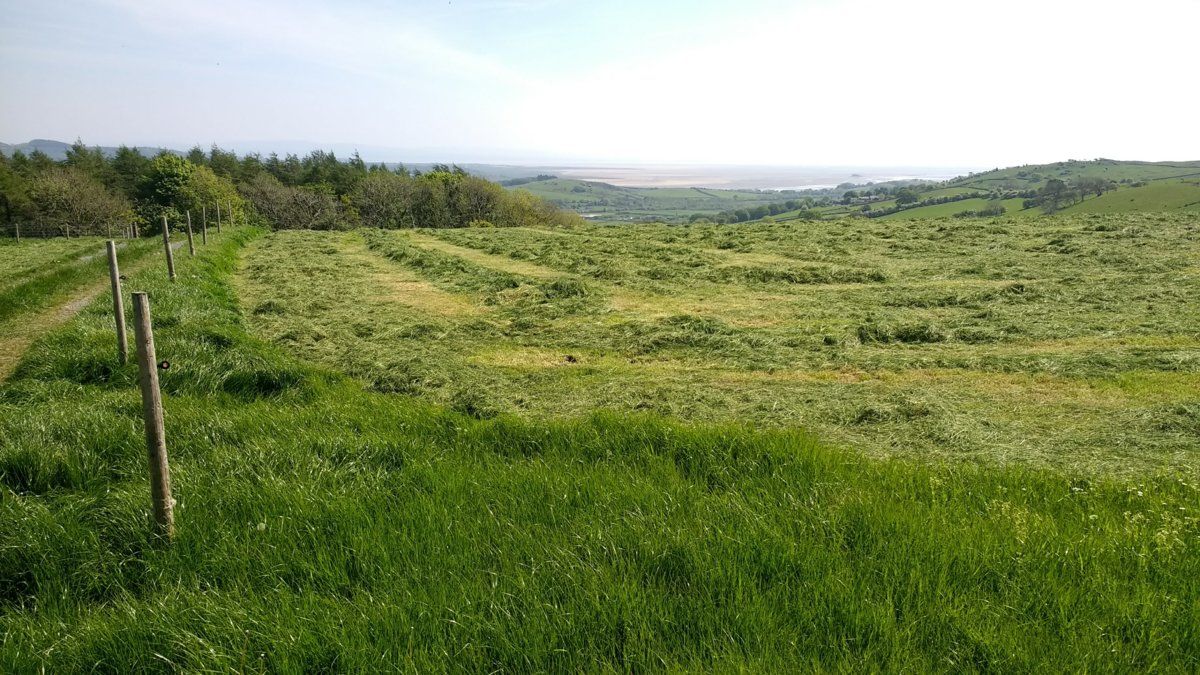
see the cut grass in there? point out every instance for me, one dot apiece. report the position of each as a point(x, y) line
point(970, 322)
point(327, 528)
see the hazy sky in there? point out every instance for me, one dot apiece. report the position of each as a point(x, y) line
point(878, 82)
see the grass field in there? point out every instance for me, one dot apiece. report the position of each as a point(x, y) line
point(897, 338)
point(1036, 175)
point(328, 526)
point(1012, 207)
point(1166, 195)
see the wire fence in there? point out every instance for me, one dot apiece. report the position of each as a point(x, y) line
point(38, 230)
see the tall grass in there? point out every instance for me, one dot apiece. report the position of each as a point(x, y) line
point(323, 527)
point(38, 289)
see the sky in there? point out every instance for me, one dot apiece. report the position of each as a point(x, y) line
point(757, 82)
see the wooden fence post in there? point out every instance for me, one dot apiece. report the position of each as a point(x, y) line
point(156, 441)
point(118, 303)
point(167, 245)
point(204, 224)
point(218, 217)
point(191, 242)
point(230, 205)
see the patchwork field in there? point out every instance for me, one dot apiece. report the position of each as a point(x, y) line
point(1069, 342)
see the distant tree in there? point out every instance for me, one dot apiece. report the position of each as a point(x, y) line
point(1094, 185)
point(39, 162)
point(224, 163)
point(164, 184)
point(128, 166)
point(906, 196)
point(1054, 194)
point(68, 199)
point(196, 156)
point(287, 207)
point(14, 196)
point(90, 161)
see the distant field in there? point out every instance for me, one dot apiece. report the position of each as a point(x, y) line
point(1012, 206)
point(612, 203)
point(1168, 195)
point(911, 338)
point(1033, 176)
point(1172, 186)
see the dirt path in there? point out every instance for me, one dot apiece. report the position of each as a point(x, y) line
point(18, 337)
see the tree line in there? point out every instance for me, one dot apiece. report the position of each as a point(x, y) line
point(1057, 194)
point(90, 192)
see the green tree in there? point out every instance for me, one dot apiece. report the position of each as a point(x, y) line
point(68, 200)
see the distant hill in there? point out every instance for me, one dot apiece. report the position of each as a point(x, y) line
point(1033, 176)
point(57, 150)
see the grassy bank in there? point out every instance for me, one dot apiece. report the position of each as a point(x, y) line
point(324, 526)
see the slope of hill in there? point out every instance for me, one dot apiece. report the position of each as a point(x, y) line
point(1033, 176)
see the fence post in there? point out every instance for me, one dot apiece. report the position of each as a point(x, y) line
point(118, 303)
point(191, 242)
point(229, 204)
point(204, 224)
point(218, 217)
point(156, 441)
point(167, 245)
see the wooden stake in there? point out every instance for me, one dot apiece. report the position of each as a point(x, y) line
point(118, 303)
point(167, 245)
point(136, 233)
point(191, 242)
point(204, 224)
point(218, 217)
point(156, 440)
point(230, 205)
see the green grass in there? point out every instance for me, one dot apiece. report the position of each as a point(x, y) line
point(48, 271)
point(1011, 206)
point(913, 338)
point(32, 257)
point(1035, 175)
point(326, 527)
point(1166, 195)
